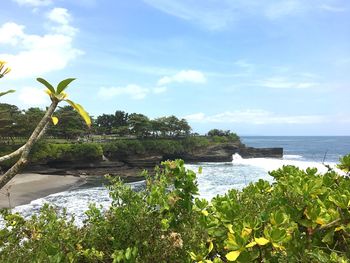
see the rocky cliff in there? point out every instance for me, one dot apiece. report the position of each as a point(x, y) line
point(129, 165)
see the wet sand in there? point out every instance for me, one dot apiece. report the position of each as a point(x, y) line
point(30, 186)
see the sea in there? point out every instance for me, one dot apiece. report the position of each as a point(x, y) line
point(216, 178)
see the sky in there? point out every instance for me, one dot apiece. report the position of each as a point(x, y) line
point(255, 67)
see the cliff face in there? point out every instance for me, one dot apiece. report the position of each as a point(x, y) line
point(223, 153)
point(123, 164)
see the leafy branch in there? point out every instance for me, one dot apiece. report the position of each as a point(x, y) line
point(56, 95)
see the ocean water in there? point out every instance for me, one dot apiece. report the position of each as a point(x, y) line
point(216, 178)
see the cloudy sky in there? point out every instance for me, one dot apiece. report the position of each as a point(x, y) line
point(257, 67)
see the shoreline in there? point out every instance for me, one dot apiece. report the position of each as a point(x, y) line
point(27, 187)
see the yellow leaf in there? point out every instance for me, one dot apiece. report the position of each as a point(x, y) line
point(54, 120)
point(81, 111)
point(61, 96)
point(211, 246)
point(320, 221)
point(339, 228)
point(6, 71)
point(246, 231)
point(48, 92)
point(278, 246)
point(233, 255)
point(261, 241)
point(229, 227)
point(251, 244)
point(193, 256)
point(205, 212)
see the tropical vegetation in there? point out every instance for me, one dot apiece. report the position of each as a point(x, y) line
point(302, 217)
point(57, 95)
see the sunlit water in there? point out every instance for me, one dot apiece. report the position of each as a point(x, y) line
point(216, 178)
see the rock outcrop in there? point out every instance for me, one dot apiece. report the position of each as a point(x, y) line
point(250, 152)
point(129, 165)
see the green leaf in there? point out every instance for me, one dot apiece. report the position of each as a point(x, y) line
point(6, 92)
point(47, 85)
point(81, 111)
point(63, 85)
point(128, 253)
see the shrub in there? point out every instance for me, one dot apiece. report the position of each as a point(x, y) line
point(302, 217)
point(46, 152)
point(122, 148)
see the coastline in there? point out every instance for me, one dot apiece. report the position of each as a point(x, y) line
point(27, 187)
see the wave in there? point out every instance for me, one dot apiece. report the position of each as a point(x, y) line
point(292, 156)
point(270, 164)
point(75, 201)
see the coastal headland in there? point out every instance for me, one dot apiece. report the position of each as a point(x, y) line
point(57, 167)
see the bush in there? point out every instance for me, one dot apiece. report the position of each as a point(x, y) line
point(122, 148)
point(4, 150)
point(302, 217)
point(46, 152)
point(154, 225)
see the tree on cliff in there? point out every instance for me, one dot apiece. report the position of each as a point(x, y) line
point(56, 95)
point(10, 117)
point(71, 125)
point(139, 124)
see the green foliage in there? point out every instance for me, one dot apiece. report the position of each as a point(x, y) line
point(153, 225)
point(70, 126)
point(302, 217)
point(166, 147)
point(10, 120)
point(6, 92)
point(4, 150)
point(122, 148)
point(345, 164)
point(46, 152)
point(59, 95)
point(49, 237)
point(223, 136)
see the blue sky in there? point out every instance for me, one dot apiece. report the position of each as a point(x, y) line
point(255, 67)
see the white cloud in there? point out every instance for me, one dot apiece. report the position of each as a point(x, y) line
point(35, 55)
point(159, 90)
point(34, 3)
point(11, 33)
point(133, 91)
point(330, 8)
point(30, 96)
point(255, 116)
point(283, 83)
point(196, 117)
point(59, 15)
point(193, 76)
point(284, 8)
point(222, 14)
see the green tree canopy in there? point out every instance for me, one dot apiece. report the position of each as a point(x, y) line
point(71, 126)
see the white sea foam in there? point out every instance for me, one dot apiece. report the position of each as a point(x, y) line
point(75, 201)
point(216, 178)
point(270, 164)
point(292, 156)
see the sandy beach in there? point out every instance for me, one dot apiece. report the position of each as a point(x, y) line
point(29, 186)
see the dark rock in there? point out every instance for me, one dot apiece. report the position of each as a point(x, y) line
point(213, 153)
point(250, 152)
point(132, 165)
point(143, 161)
